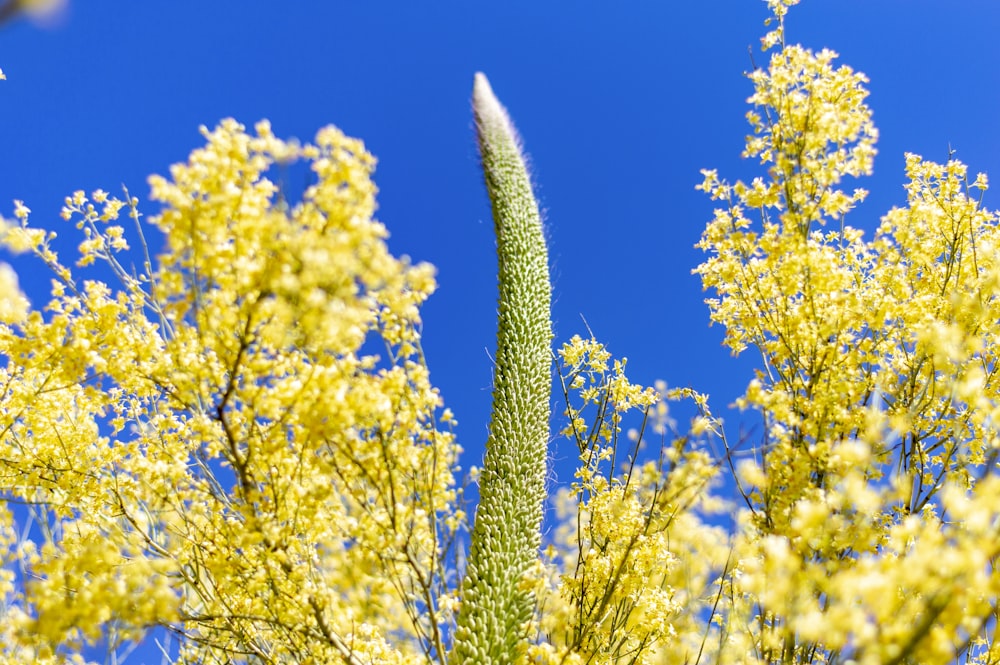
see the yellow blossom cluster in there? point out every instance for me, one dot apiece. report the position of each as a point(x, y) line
point(209, 445)
point(872, 508)
point(631, 567)
point(13, 304)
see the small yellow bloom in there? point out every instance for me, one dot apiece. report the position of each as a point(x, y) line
point(21, 211)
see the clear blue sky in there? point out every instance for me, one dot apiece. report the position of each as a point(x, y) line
point(619, 103)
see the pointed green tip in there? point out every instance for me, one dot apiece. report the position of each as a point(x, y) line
point(481, 84)
point(482, 94)
point(491, 117)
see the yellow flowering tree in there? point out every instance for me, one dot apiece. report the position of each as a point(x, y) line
point(209, 446)
point(869, 532)
point(237, 443)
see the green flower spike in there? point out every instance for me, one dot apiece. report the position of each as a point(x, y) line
point(496, 605)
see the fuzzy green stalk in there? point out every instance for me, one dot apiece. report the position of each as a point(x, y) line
point(496, 605)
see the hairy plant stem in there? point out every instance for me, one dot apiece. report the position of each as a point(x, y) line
point(496, 603)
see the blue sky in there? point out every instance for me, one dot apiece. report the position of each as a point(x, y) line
point(620, 104)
